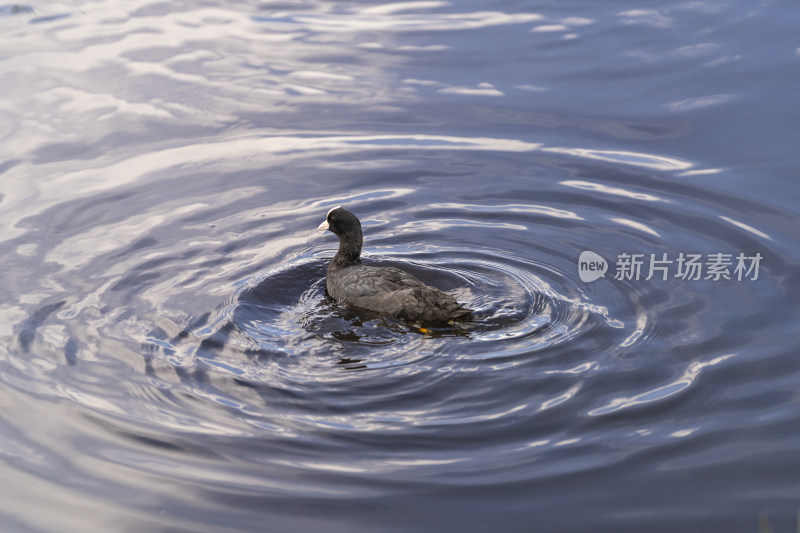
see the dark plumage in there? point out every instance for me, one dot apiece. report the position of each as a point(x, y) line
point(385, 290)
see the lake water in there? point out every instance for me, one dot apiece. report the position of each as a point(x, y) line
point(170, 362)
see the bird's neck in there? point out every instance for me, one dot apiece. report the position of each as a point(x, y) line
point(349, 253)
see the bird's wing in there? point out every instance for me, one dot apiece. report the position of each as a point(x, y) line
point(370, 281)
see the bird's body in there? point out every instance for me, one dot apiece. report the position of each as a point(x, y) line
point(385, 290)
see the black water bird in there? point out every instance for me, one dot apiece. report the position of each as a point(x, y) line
point(385, 290)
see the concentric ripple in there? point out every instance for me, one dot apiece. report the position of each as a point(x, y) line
point(221, 325)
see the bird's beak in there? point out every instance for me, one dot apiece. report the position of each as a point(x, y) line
point(324, 225)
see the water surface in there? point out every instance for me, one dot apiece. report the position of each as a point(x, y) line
point(170, 361)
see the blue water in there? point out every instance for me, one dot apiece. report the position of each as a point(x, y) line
point(170, 361)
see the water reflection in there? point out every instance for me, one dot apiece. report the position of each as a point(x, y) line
point(640, 226)
point(662, 392)
point(615, 191)
point(483, 89)
point(394, 18)
point(746, 227)
point(646, 17)
point(653, 161)
point(700, 102)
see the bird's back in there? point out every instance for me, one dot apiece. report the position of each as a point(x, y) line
point(393, 292)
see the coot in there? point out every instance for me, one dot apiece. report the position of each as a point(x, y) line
point(386, 290)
